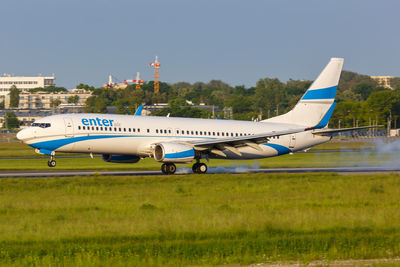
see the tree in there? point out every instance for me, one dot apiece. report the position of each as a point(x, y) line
point(55, 103)
point(14, 97)
point(11, 121)
point(2, 104)
point(49, 89)
point(73, 99)
point(85, 86)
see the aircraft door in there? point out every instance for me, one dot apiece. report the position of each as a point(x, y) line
point(292, 142)
point(69, 127)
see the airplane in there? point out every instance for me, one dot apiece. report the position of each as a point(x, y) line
point(172, 140)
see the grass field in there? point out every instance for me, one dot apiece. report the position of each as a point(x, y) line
point(198, 219)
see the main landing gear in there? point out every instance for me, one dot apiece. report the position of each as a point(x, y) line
point(168, 168)
point(51, 162)
point(199, 168)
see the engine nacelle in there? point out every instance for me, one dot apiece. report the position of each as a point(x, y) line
point(172, 152)
point(120, 158)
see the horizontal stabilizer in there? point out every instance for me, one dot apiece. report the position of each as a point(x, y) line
point(332, 131)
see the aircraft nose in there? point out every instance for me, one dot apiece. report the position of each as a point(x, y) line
point(24, 134)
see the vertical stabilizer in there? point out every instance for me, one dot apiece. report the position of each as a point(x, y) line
point(315, 107)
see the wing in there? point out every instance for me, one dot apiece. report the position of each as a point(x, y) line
point(216, 146)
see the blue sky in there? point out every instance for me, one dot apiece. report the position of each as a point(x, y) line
point(238, 42)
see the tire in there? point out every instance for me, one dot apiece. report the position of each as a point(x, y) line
point(171, 168)
point(51, 163)
point(202, 168)
point(195, 168)
point(164, 168)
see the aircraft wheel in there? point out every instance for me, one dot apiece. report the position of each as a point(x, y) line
point(202, 168)
point(51, 163)
point(164, 168)
point(195, 167)
point(171, 168)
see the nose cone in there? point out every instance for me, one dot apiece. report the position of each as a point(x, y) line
point(24, 134)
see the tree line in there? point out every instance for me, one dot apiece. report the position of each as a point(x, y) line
point(360, 101)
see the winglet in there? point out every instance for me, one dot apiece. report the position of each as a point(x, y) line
point(139, 111)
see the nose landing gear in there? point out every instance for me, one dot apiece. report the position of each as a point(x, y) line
point(51, 162)
point(168, 168)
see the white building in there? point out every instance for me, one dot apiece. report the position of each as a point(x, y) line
point(23, 83)
point(383, 81)
point(43, 100)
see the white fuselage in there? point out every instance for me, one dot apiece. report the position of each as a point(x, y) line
point(136, 135)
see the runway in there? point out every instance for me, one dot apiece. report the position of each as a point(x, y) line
point(180, 171)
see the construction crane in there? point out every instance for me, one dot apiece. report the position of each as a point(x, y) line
point(138, 81)
point(156, 66)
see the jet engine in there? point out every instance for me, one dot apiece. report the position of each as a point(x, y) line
point(172, 152)
point(120, 158)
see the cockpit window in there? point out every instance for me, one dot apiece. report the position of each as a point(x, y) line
point(41, 125)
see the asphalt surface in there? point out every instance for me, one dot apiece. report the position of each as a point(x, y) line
point(228, 170)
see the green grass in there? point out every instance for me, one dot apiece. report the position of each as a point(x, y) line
point(198, 219)
point(296, 160)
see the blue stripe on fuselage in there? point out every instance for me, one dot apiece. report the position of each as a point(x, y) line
point(279, 148)
point(55, 144)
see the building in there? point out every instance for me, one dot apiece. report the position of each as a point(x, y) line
point(23, 83)
point(44, 100)
point(383, 81)
point(28, 116)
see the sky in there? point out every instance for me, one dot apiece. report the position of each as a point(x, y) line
point(238, 42)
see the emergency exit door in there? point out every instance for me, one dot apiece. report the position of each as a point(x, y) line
point(69, 127)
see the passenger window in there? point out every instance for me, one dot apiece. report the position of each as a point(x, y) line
point(217, 133)
point(240, 134)
point(148, 130)
point(79, 127)
point(192, 132)
point(156, 130)
point(119, 129)
point(209, 133)
point(197, 133)
point(92, 128)
point(222, 133)
point(214, 133)
point(165, 131)
point(236, 134)
point(129, 129)
point(124, 129)
point(105, 128)
point(138, 130)
point(183, 132)
point(187, 132)
point(169, 131)
point(201, 133)
point(101, 128)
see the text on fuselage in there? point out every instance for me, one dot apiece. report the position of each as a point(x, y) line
point(97, 122)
